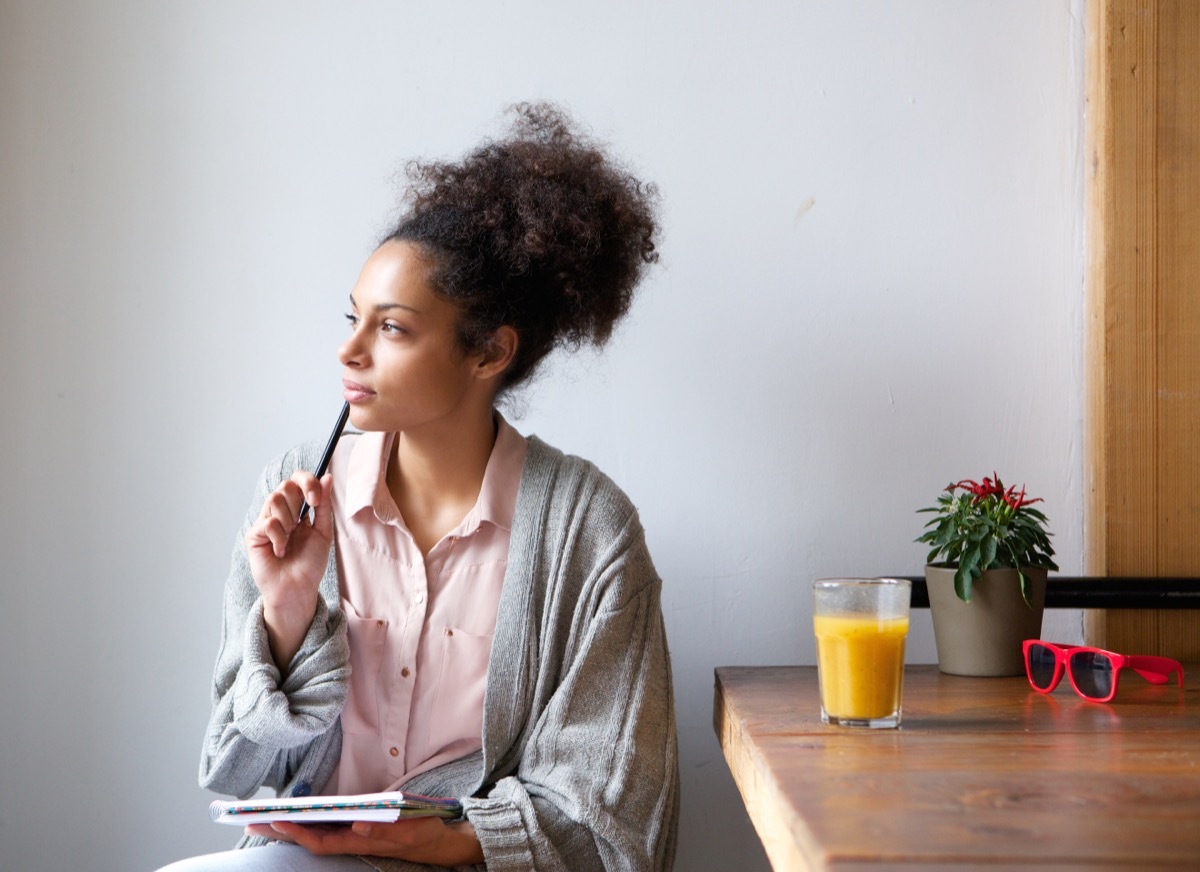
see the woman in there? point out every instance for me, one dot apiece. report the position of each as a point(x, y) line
point(469, 613)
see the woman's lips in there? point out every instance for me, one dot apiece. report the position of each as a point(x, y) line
point(353, 392)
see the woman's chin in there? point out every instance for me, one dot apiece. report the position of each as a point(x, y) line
point(363, 420)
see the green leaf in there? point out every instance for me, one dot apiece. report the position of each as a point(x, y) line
point(970, 561)
point(988, 546)
point(962, 584)
point(1026, 588)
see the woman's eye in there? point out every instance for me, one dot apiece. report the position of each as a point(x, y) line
point(388, 327)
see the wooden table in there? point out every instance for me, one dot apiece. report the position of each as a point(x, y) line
point(983, 773)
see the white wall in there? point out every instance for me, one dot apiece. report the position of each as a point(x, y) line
point(871, 285)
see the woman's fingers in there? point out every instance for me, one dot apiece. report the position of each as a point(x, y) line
point(277, 533)
point(323, 507)
point(285, 501)
point(281, 510)
point(308, 487)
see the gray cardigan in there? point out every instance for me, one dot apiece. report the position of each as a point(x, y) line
point(579, 766)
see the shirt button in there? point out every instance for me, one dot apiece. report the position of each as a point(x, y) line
point(379, 623)
point(394, 751)
point(449, 632)
point(404, 672)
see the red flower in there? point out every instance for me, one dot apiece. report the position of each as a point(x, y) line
point(1019, 500)
point(993, 487)
point(980, 490)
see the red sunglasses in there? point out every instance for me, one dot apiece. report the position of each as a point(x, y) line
point(1093, 672)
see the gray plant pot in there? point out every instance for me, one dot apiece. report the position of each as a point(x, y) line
point(984, 636)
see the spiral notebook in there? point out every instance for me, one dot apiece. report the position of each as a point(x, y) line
point(390, 806)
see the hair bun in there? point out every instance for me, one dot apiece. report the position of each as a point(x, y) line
point(539, 230)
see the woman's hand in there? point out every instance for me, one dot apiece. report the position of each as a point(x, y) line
point(288, 559)
point(419, 840)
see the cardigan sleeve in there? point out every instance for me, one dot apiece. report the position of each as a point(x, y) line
point(596, 787)
point(267, 726)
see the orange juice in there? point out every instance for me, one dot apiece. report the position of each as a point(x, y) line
point(860, 661)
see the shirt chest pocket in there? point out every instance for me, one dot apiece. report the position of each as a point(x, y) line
point(462, 680)
point(367, 639)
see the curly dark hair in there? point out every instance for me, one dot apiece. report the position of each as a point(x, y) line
point(540, 231)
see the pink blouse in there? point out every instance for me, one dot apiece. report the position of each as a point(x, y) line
point(420, 627)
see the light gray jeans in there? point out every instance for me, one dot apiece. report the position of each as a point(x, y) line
point(275, 857)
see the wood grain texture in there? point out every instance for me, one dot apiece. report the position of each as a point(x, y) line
point(1143, 310)
point(984, 773)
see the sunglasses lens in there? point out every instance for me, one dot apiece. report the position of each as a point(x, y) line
point(1092, 673)
point(1041, 666)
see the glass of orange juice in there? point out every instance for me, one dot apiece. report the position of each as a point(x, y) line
point(861, 625)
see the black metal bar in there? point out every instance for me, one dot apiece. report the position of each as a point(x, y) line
point(1101, 592)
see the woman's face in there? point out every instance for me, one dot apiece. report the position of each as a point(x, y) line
point(403, 368)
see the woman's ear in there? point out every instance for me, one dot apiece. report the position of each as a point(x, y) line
point(498, 353)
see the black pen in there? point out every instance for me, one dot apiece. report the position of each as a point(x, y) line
point(323, 466)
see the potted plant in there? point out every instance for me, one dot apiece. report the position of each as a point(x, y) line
point(986, 575)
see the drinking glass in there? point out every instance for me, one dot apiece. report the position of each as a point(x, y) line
point(861, 625)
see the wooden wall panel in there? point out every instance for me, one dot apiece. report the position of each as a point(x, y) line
point(1143, 205)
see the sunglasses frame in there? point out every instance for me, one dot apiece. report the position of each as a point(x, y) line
point(1156, 670)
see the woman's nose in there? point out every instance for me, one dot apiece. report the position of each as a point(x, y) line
point(351, 352)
